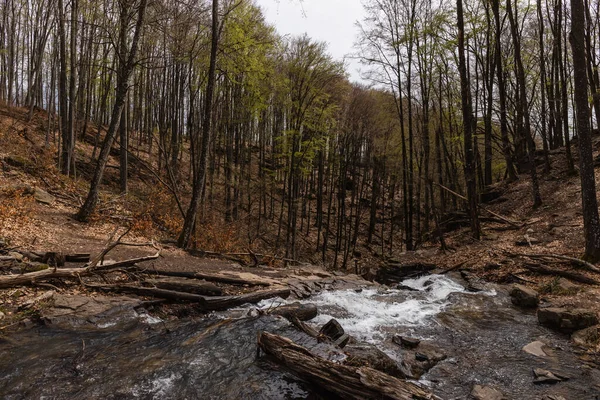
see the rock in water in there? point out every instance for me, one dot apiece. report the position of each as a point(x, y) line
point(483, 392)
point(333, 330)
point(368, 355)
point(535, 348)
point(545, 376)
point(405, 341)
point(522, 296)
point(567, 320)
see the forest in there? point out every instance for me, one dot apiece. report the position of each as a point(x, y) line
point(194, 205)
point(241, 126)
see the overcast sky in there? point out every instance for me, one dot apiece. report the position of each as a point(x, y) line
point(331, 21)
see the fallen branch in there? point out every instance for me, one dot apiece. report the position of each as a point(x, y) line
point(205, 303)
point(33, 278)
point(574, 276)
point(577, 261)
point(222, 278)
point(345, 381)
point(500, 217)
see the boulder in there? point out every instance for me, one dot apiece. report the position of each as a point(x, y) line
point(567, 320)
point(83, 312)
point(406, 342)
point(365, 354)
point(392, 272)
point(41, 196)
point(535, 348)
point(333, 330)
point(484, 392)
point(588, 337)
point(565, 286)
point(545, 376)
point(522, 296)
point(418, 362)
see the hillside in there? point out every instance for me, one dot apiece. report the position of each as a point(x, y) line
point(555, 228)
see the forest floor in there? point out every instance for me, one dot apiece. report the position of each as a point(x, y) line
point(555, 228)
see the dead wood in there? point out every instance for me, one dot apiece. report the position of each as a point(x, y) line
point(248, 280)
point(205, 303)
point(345, 381)
point(302, 312)
point(577, 261)
point(186, 285)
point(224, 302)
point(36, 277)
point(504, 219)
point(574, 276)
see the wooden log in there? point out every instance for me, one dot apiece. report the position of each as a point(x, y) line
point(345, 381)
point(239, 279)
point(225, 302)
point(206, 303)
point(186, 285)
point(574, 276)
point(32, 278)
point(152, 292)
point(303, 312)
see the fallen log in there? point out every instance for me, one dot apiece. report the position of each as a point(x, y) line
point(576, 261)
point(344, 381)
point(205, 303)
point(186, 285)
point(32, 278)
point(224, 302)
point(152, 292)
point(302, 312)
point(574, 276)
point(241, 279)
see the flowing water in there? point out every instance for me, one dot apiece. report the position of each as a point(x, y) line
point(216, 358)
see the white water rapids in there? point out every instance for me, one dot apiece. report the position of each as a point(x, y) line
point(368, 313)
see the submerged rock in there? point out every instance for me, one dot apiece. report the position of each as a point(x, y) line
point(76, 312)
point(545, 376)
point(368, 355)
point(406, 342)
point(567, 320)
point(535, 348)
point(522, 296)
point(421, 361)
point(484, 392)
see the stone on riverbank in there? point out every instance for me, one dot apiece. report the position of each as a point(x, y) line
point(567, 320)
point(522, 296)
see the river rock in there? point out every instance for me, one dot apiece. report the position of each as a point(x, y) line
point(406, 342)
point(535, 348)
point(587, 337)
point(303, 312)
point(567, 320)
point(522, 296)
point(545, 376)
point(77, 312)
point(565, 286)
point(474, 284)
point(333, 330)
point(484, 392)
point(421, 361)
point(392, 272)
point(364, 354)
